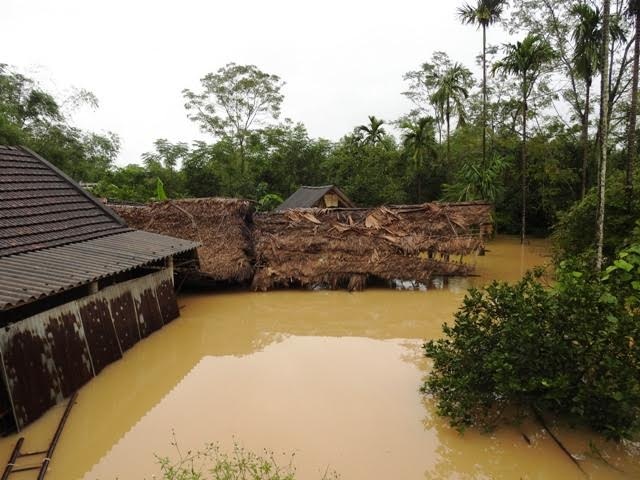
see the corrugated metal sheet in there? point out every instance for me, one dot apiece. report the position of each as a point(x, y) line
point(26, 277)
point(307, 197)
point(46, 357)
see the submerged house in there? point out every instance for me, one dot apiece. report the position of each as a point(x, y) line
point(355, 247)
point(328, 196)
point(78, 287)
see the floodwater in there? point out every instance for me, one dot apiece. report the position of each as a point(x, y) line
point(331, 377)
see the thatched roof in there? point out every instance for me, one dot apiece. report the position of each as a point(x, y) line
point(221, 225)
point(346, 247)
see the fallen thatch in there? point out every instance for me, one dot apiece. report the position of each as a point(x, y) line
point(221, 225)
point(346, 248)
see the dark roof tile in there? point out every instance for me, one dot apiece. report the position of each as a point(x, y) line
point(307, 197)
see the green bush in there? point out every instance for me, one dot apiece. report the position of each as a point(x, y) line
point(570, 350)
point(574, 233)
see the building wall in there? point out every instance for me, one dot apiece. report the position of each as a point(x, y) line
point(48, 356)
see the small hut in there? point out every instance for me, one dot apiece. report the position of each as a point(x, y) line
point(327, 196)
point(78, 286)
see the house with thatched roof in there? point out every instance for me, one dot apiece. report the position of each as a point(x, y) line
point(222, 227)
point(327, 196)
point(78, 286)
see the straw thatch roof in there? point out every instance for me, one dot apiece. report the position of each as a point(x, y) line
point(345, 248)
point(221, 225)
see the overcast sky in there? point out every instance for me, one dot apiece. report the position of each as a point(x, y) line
point(341, 60)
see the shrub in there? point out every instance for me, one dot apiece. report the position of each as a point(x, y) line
point(211, 463)
point(570, 350)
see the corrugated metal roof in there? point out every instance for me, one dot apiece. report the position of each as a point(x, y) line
point(28, 276)
point(307, 197)
point(41, 207)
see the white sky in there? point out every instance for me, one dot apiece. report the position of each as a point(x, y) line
point(341, 60)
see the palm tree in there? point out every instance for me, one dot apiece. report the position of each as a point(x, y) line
point(603, 131)
point(484, 14)
point(373, 133)
point(587, 37)
point(525, 59)
point(452, 88)
point(419, 143)
point(632, 145)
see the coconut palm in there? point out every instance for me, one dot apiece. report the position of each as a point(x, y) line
point(526, 60)
point(452, 88)
point(419, 144)
point(483, 14)
point(373, 133)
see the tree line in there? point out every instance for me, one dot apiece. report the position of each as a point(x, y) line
point(527, 135)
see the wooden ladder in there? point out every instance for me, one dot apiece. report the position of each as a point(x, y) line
point(43, 465)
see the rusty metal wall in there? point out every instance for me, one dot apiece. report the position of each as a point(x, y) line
point(147, 308)
point(30, 374)
point(167, 301)
point(46, 357)
point(99, 330)
point(69, 349)
point(123, 314)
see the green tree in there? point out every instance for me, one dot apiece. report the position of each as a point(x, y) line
point(569, 350)
point(233, 101)
point(374, 132)
point(587, 38)
point(451, 92)
point(484, 14)
point(526, 60)
point(418, 141)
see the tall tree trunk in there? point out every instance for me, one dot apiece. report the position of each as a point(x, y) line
point(484, 96)
point(523, 225)
point(448, 115)
point(632, 145)
point(585, 139)
point(604, 133)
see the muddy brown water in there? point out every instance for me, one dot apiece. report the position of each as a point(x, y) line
point(330, 376)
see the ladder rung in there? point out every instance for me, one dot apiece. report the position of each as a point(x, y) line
point(29, 454)
point(27, 468)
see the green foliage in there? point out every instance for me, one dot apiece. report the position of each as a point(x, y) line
point(472, 182)
point(233, 101)
point(160, 193)
point(269, 202)
point(570, 350)
point(211, 463)
point(574, 233)
point(483, 13)
point(31, 117)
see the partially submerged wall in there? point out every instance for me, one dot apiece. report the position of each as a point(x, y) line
point(50, 355)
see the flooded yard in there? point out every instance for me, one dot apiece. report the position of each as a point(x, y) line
point(330, 376)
